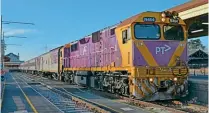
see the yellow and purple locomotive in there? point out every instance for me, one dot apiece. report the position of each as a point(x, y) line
point(144, 57)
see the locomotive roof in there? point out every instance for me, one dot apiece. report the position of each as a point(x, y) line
point(50, 50)
point(132, 19)
point(76, 41)
point(55, 48)
point(129, 20)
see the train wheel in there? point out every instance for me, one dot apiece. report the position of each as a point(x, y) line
point(62, 77)
point(112, 89)
point(49, 75)
point(54, 75)
point(65, 77)
point(43, 74)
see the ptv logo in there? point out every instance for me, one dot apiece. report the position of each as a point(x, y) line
point(162, 49)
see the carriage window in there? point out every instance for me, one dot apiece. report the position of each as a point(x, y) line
point(74, 47)
point(147, 31)
point(173, 32)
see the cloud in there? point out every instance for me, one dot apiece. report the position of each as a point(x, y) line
point(12, 32)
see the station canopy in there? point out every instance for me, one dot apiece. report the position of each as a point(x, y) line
point(195, 15)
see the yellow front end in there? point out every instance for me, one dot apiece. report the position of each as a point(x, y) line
point(156, 56)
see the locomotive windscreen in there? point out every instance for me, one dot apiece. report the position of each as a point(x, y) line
point(173, 32)
point(147, 31)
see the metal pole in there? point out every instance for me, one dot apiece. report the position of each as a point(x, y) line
point(1, 46)
point(1, 27)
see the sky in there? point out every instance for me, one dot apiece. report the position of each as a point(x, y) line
point(58, 22)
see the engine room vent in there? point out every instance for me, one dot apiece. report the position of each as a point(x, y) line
point(96, 37)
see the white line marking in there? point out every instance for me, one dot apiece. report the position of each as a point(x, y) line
point(22, 111)
point(42, 96)
point(126, 109)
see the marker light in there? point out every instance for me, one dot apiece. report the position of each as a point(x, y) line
point(175, 79)
point(163, 19)
point(150, 79)
point(168, 14)
point(163, 15)
point(174, 13)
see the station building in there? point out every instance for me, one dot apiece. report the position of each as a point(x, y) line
point(11, 62)
point(198, 62)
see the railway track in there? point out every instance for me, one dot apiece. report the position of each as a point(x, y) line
point(66, 102)
point(171, 106)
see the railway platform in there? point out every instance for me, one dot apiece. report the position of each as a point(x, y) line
point(19, 98)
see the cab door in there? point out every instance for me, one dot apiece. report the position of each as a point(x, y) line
point(123, 35)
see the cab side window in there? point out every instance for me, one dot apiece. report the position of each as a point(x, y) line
point(124, 36)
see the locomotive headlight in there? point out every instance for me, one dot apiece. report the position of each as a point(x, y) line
point(150, 79)
point(174, 13)
point(163, 19)
point(175, 79)
point(163, 15)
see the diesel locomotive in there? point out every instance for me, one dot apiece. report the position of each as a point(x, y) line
point(143, 57)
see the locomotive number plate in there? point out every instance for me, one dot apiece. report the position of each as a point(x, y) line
point(165, 69)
